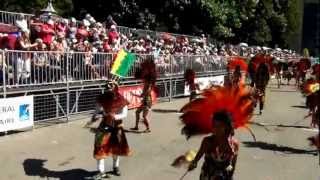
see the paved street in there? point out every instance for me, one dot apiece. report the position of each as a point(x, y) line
point(280, 153)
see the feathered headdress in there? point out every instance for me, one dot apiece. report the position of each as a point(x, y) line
point(147, 71)
point(304, 64)
point(197, 114)
point(111, 100)
point(189, 76)
point(261, 58)
point(237, 61)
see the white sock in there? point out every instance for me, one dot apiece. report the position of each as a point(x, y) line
point(100, 165)
point(116, 161)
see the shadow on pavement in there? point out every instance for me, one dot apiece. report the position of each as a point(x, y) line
point(34, 167)
point(294, 126)
point(165, 110)
point(302, 107)
point(279, 125)
point(278, 148)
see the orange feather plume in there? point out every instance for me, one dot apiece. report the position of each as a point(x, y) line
point(197, 114)
point(237, 61)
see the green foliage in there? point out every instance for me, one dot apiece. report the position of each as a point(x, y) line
point(63, 7)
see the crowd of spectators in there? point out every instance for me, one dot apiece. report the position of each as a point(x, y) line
point(61, 35)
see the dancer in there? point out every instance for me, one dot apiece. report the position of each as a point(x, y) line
point(220, 111)
point(237, 65)
point(302, 67)
point(251, 73)
point(278, 68)
point(261, 81)
point(189, 77)
point(287, 72)
point(110, 139)
point(147, 73)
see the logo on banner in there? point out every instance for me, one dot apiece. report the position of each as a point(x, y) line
point(24, 112)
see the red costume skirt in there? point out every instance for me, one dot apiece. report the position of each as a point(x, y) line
point(110, 142)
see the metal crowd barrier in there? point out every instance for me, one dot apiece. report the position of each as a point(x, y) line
point(38, 68)
point(45, 70)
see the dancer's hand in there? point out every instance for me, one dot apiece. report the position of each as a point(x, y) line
point(192, 166)
point(229, 168)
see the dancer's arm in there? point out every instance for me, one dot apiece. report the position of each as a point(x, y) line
point(199, 155)
point(123, 114)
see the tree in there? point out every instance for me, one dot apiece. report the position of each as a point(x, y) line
point(63, 7)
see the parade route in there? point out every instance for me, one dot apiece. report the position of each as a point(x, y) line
point(65, 151)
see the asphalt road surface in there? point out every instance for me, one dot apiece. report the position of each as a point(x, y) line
point(65, 151)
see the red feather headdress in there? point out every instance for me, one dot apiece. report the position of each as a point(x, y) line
point(261, 58)
point(237, 61)
point(112, 100)
point(147, 71)
point(197, 114)
point(189, 76)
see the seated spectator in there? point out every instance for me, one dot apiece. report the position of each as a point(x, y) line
point(62, 26)
point(139, 48)
point(100, 28)
point(24, 42)
point(113, 35)
point(72, 29)
point(82, 33)
point(47, 32)
point(106, 47)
